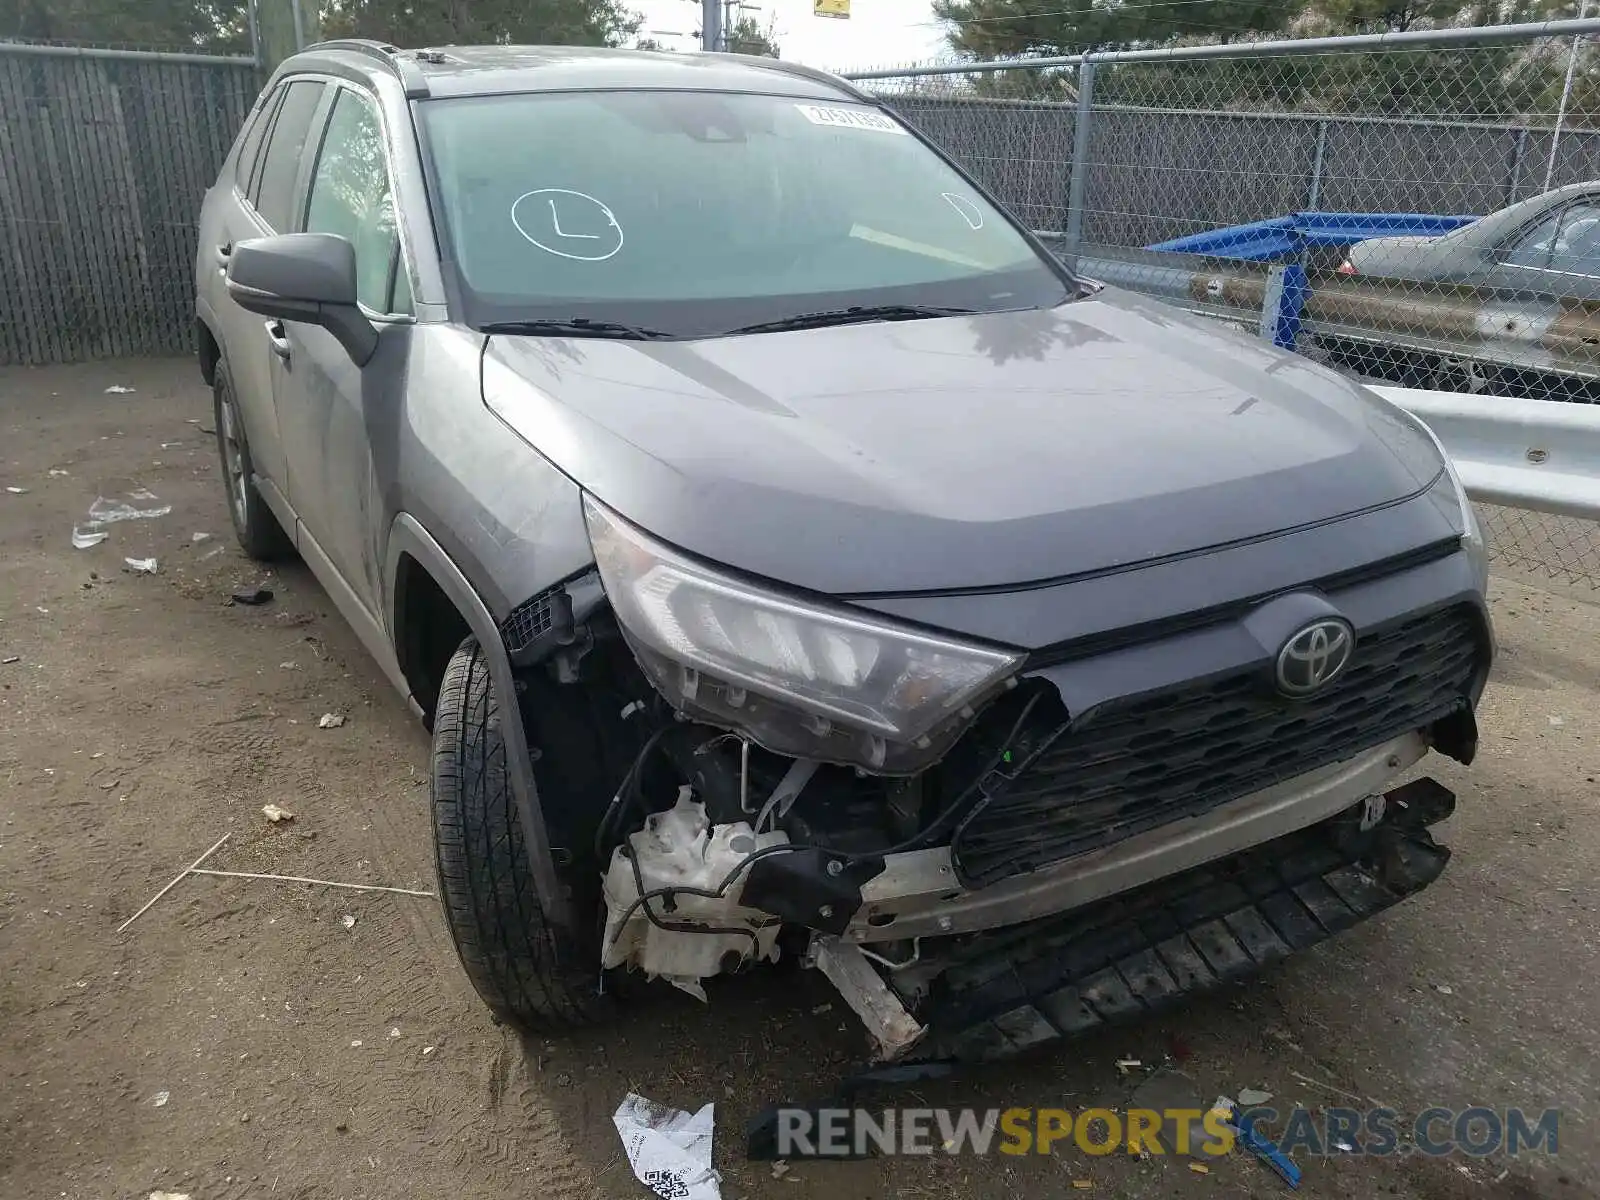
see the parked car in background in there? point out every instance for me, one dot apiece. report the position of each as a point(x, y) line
point(792, 559)
point(1548, 244)
point(1506, 304)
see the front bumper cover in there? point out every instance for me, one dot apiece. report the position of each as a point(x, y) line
point(917, 894)
point(1141, 951)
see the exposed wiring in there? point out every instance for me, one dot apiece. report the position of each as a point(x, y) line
point(682, 926)
point(744, 775)
point(933, 827)
point(627, 791)
point(916, 955)
point(718, 893)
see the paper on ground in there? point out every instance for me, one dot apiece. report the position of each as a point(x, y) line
point(669, 1150)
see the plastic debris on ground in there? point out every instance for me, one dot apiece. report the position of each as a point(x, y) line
point(141, 566)
point(348, 921)
point(169, 1196)
point(57, 472)
point(1280, 1163)
point(197, 538)
point(1250, 1097)
point(16, 491)
point(9, 659)
point(82, 539)
point(1200, 1168)
point(330, 721)
point(1128, 1064)
point(274, 813)
point(110, 512)
point(252, 596)
point(160, 1099)
point(118, 389)
point(668, 1149)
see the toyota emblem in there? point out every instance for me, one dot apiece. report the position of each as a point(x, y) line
point(1314, 656)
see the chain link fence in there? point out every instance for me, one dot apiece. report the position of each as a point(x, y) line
point(1420, 209)
point(104, 157)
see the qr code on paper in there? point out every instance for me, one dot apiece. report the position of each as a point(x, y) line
point(669, 1185)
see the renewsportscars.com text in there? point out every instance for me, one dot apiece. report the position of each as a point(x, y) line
point(857, 1132)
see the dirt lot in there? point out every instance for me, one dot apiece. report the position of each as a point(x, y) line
point(145, 718)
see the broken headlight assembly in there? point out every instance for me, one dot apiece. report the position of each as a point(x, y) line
point(800, 677)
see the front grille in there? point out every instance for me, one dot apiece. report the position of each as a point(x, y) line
point(1130, 767)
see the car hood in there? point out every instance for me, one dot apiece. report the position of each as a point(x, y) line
point(963, 452)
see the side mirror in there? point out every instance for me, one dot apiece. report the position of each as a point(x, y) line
point(309, 277)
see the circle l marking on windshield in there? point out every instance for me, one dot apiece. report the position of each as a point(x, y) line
point(567, 220)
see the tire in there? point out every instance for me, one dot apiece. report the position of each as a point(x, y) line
point(258, 531)
point(525, 970)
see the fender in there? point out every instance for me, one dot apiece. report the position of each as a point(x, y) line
point(407, 536)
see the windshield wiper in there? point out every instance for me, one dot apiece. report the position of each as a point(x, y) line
point(851, 316)
point(578, 327)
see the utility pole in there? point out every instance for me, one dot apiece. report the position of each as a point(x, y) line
point(711, 37)
point(285, 26)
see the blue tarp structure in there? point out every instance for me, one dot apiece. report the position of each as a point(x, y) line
point(1285, 237)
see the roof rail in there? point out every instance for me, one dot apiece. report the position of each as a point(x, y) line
point(367, 46)
point(815, 74)
point(412, 79)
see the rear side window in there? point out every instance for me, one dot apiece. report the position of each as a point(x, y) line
point(244, 163)
point(281, 163)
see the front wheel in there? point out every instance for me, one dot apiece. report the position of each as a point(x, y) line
point(524, 968)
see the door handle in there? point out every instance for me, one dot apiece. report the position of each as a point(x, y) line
point(222, 253)
point(278, 339)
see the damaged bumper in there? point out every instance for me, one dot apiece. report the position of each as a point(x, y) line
point(918, 894)
point(1120, 959)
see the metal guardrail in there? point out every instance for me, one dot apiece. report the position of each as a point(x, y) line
point(1285, 237)
point(1543, 344)
point(1526, 454)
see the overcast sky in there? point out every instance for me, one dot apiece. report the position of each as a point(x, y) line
point(877, 33)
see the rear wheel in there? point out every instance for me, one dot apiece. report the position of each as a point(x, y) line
point(526, 970)
point(258, 531)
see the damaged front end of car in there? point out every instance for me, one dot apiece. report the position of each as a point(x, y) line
point(981, 846)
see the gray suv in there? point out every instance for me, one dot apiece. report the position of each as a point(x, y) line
point(794, 561)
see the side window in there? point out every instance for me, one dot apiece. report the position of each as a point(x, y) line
point(281, 162)
point(1577, 247)
point(1532, 247)
point(350, 197)
point(244, 163)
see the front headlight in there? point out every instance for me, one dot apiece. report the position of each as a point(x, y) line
point(1472, 539)
point(859, 689)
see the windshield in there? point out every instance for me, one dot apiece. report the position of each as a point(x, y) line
point(696, 213)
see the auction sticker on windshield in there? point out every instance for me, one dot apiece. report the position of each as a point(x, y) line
point(849, 118)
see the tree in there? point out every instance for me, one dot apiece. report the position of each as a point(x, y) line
point(466, 22)
point(987, 29)
point(216, 26)
point(222, 26)
point(746, 37)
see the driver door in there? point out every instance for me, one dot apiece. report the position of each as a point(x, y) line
point(331, 412)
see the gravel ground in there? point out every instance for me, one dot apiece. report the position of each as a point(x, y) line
point(245, 1038)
